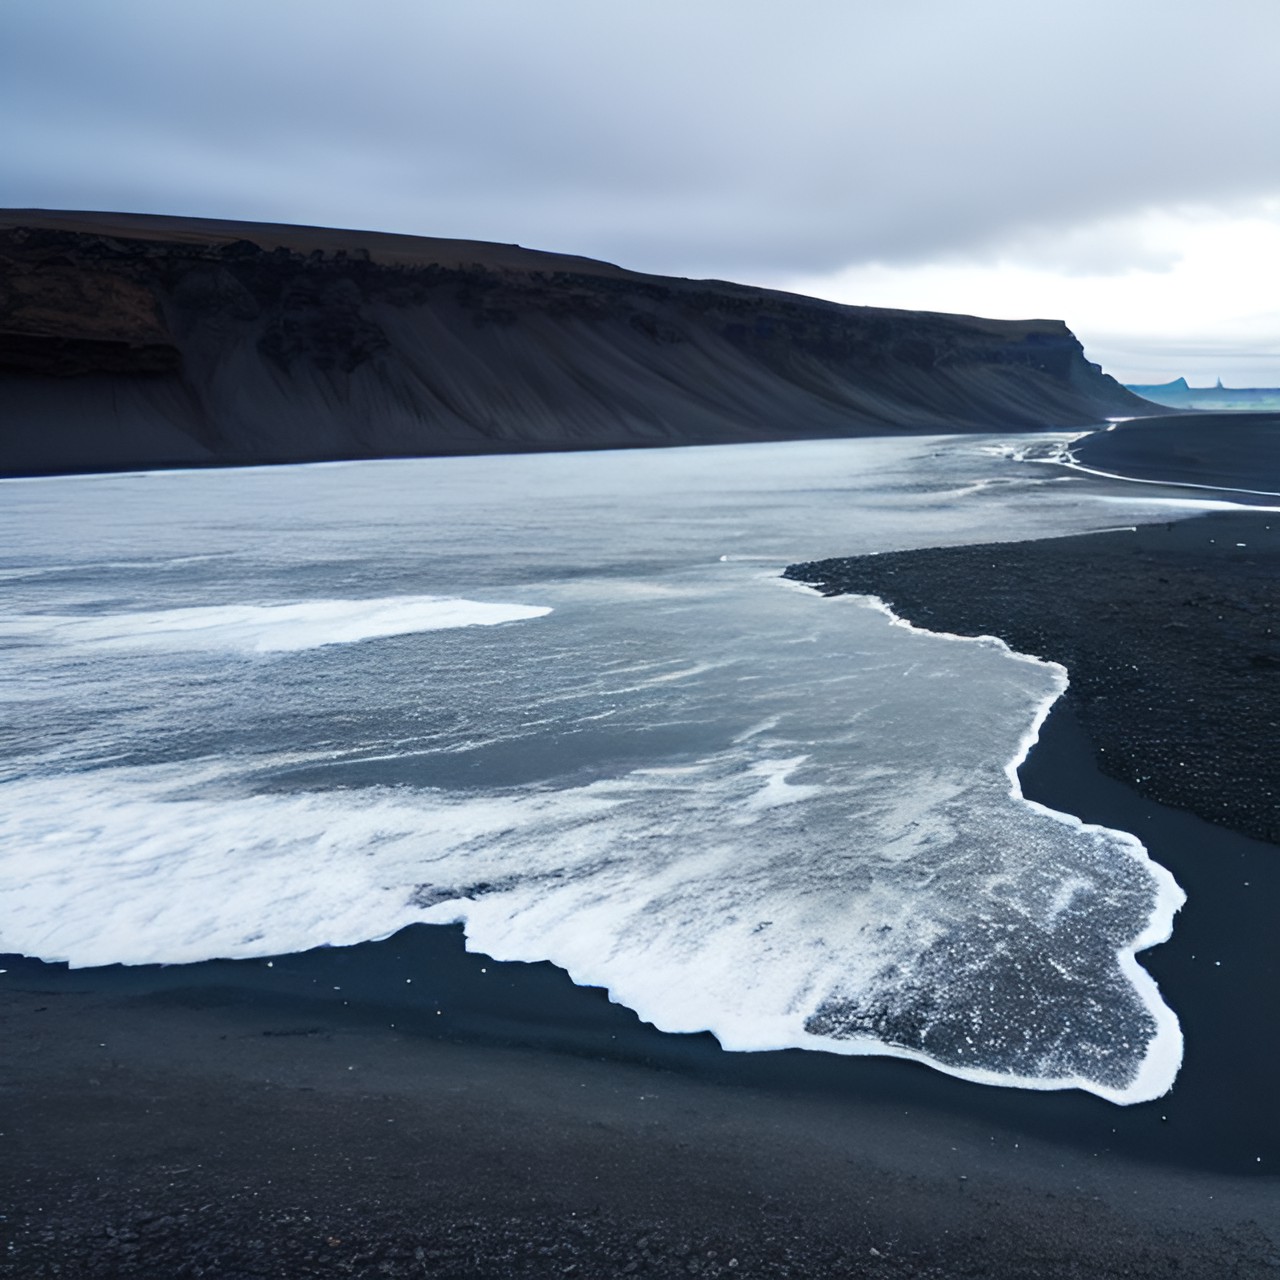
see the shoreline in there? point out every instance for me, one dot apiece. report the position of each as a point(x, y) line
point(1168, 632)
point(235, 1139)
point(467, 996)
point(316, 1114)
point(1107, 605)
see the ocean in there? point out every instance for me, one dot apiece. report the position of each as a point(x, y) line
point(568, 702)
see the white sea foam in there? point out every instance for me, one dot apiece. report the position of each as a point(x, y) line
point(694, 895)
point(776, 789)
point(1176, 507)
point(778, 898)
point(265, 628)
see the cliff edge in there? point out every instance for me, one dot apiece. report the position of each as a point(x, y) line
point(133, 341)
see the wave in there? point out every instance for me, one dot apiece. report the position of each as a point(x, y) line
point(264, 628)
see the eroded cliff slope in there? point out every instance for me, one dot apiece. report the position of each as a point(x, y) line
point(137, 341)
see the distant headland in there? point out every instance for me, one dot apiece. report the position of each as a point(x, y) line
point(1177, 395)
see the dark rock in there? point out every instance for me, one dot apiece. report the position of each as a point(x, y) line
point(176, 342)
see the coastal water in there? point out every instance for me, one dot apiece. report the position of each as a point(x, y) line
point(567, 701)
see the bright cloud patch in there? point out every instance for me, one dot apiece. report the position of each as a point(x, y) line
point(1152, 296)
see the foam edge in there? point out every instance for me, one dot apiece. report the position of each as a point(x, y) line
point(1163, 1059)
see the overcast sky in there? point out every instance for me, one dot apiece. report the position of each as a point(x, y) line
point(1113, 164)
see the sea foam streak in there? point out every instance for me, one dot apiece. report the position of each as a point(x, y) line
point(266, 628)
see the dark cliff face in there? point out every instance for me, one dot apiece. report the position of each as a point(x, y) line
point(129, 341)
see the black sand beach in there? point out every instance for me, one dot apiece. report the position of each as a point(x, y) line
point(321, 1115)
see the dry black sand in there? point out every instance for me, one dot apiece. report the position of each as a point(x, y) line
point(322, 1116)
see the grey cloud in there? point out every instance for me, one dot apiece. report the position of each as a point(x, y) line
point(732, 137)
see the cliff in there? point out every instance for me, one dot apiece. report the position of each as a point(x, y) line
point(134, 341)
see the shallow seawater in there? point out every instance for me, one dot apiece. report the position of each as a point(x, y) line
point(567, 701)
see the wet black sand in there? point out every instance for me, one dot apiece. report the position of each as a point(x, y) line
point(1232, 450)
point(321, 1115)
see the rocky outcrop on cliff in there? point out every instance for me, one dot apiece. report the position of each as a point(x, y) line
point(130, 341)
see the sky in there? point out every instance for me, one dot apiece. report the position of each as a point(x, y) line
point(1115, 165)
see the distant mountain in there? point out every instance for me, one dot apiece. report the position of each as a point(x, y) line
point(134, 341)
point(1177, 395)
